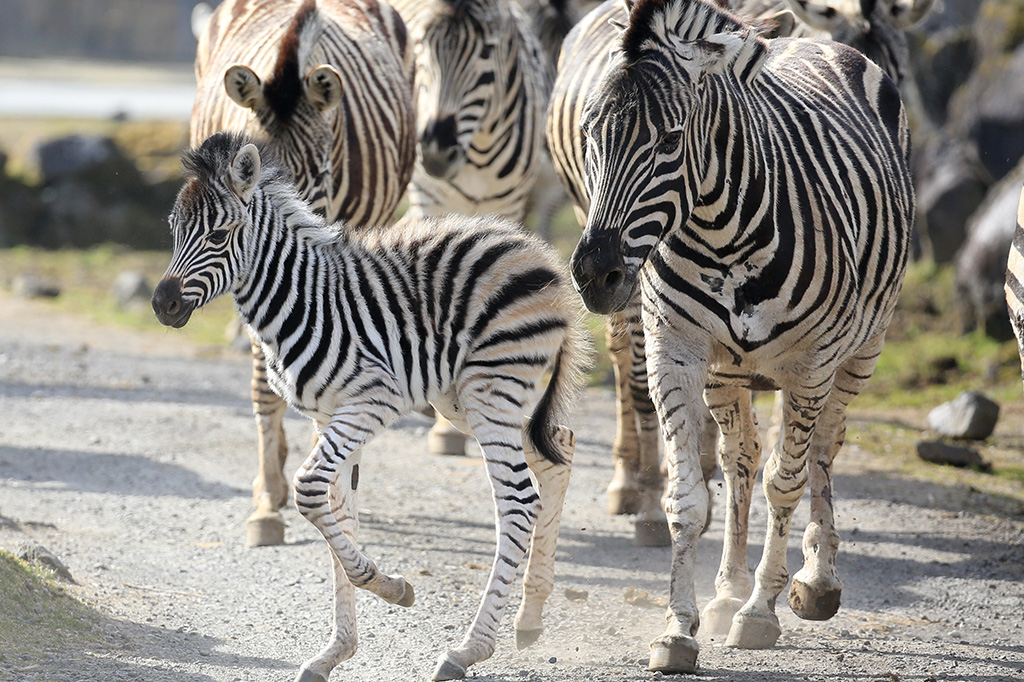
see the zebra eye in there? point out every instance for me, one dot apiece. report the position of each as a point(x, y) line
point(218, 236)
point(669, 141)
point(485, 53)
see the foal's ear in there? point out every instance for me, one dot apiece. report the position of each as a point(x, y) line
point(245, 172)
point(243, 86)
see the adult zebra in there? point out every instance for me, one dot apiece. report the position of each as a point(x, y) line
point(359, 328)
point(329, 84)
point(757, 193)
point(482, 89)
point(1015, 281)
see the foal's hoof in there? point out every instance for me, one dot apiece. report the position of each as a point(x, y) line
point(812, 603)
point(525, 638)
point(754, 631)
point(307, 675)
point(264, 529)
point(673, 654)
point(445, 442)
point(623, 501)
point(408, 596)
point(448, 669)
point(651, 533)
point(716, 618)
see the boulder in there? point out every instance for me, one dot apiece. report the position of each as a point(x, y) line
point(969, 416)
point(937, 452)
point(981, 262)
point(33, 286)
point(37, 555)
point(950, 187)
point(132, 288)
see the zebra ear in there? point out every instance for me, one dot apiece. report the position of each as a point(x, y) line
point(906, 13)
point(778, 25)
point(323, 87)
point(710, 54)
point(243, 86)
point(818, 14)
point(245, 172)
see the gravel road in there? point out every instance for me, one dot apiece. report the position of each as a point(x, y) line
point(130, 455)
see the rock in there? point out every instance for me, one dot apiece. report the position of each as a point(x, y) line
point(981, 262)
point(576, 595)
point(969, 416)
point(32, 286)
point(132, 288)
point(37, 555)
point(66, 157)
point(941, 62)
point(937, 452)
point(950, 187)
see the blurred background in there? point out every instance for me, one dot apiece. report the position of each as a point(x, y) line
point(95, 97)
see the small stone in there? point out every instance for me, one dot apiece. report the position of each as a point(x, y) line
point(971, 416)
point(937, 452)
point(132, 288)
point(32, 286)
point(576, 595)
point(553, 660)
point(37, 555)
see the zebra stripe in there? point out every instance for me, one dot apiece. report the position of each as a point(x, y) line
point(757, 194)
point(1015, 281)
point(482, 87)
point(361, 327)
point(328, 84)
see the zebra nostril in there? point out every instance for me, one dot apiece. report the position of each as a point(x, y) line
point(172, 307)
point(613, 279)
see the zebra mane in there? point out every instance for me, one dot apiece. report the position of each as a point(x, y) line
point(284, 88)
point(209, 162)
point(652, 22)
point(459, 8)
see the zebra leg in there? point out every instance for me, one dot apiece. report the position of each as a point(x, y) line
point(265, 526)
point(344, 637)
point(815, 591)
point(517, 507)
point(756, 626)
point(677, 384)
point(539, 579)
point(740, 455)
point(321, 497)
point(624, 489)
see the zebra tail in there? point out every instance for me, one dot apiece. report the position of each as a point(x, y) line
point(567, 377)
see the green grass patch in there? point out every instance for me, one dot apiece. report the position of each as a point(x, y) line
point(86, 279)
point(38, 618)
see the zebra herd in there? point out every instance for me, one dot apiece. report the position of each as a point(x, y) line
point(746, 206)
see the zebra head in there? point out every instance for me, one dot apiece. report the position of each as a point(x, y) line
point(643, 137)
point(464, 46)
point(296, 106)
point(208, 224)
point(873, 27)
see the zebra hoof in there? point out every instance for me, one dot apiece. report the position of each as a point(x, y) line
point(525, 638)
point(446, 442)
point(408, 597)
point(307, 675)
point(623, 501)
point(651, 533)
point(716, 618)
point(448, 669)
point(264, 529)
point(810, 603)
point(674, 654)
point(754, 631)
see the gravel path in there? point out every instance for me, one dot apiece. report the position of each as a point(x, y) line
point(130, 456)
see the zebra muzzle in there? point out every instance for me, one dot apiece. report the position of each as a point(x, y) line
point(170, 308)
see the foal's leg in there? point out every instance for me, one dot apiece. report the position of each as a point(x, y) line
point(816, 588)
point(265, 525)
point(539, 580)
point(756, 626)
point(740, 455)
point(344, 638)
point(493, 410)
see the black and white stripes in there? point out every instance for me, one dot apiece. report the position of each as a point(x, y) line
point(757, 194)
point(1015, 281)
point(361, 327)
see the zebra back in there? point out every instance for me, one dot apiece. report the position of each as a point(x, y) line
point(352, 160)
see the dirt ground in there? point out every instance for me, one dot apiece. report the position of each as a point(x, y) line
point(130, 455)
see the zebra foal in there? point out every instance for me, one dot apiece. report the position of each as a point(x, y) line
point(757, 194)
point(361, 327)
point(328, 84)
